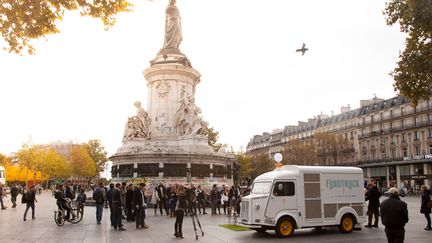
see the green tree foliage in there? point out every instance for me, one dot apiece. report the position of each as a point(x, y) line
point(22, 21)
point(298, 152)
point(262, 164)
point(213, 137)
point(98, 154)
point(413, 74)
point(245, 165)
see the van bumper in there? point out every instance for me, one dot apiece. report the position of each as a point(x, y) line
point(251, 226)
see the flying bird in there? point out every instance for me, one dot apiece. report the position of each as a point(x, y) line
point(303, 49)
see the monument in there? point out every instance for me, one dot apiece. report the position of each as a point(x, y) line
point(168, 143)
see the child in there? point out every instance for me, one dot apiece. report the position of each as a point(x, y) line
point(180, 209)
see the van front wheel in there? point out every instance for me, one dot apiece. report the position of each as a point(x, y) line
point(347, 224)
point(285, 227)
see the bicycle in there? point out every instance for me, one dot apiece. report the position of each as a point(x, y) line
point(77, 213)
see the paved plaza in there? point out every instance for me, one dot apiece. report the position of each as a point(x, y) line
point(44, 230)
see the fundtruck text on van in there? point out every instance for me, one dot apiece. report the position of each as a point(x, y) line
point(294, 197)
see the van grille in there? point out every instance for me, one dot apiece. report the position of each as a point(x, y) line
point(244, 210)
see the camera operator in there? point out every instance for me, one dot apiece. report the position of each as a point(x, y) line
point(181, 205)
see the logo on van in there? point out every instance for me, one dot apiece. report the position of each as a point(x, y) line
point(350, 184)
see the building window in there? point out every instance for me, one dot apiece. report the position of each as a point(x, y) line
point(391, 113)
point(228, 171)
point(365, 156)
point(218, 171)
point(416, 121)
point(417, 149)
point(114, 170)
point(418, 169)
point(363, 132)
point(382, 127)
point(430, 133)
point(392, 139)
point(363, 120)
point(148, 170)
point(126, 170)
point(175, 170)
point(402, 124)
point(405, 152)
point(200, 171)
point(383, 154)
point(378, 171)
point(404, 170)
point(430, 149)
point(372, 118)
point(416, 135)
point(381, 116)
point(403, 137)
point(373, 155)
point(402, 111)
point(393, 152)
point(391, 125)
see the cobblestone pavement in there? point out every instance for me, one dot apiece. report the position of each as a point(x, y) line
point(44, 230)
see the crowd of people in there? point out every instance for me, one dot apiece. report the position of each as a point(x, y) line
point(130, 202)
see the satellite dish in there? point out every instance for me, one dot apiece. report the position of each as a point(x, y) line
point(278, 157)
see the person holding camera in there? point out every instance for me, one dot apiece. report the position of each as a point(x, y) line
point(180, 208)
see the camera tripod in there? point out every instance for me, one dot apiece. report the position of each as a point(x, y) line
point(194, 217)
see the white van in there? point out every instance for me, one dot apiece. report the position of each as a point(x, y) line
point(294, 197)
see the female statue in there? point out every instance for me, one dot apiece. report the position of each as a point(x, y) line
point(173, 32)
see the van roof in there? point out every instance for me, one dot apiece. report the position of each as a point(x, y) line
point(295, 170)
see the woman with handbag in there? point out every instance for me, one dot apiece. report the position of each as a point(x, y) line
point(426, 205)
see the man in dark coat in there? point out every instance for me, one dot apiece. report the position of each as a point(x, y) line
point(117, 207)
point(373, 195)
point(162, 194)
point(129, 203)
point(394, 216)
point(109, 200)
point(14, 193)
point(424, 208)
point(140, 204)
point(30, 201)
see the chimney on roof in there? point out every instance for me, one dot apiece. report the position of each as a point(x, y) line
point(345, 109)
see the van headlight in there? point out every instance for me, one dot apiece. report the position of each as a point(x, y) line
point(257, 206)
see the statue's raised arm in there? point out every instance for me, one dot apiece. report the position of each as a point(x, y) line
point(173, 32)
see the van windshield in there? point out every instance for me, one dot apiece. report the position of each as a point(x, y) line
point(261, 188)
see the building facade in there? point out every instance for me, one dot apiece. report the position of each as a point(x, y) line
point(391, 139)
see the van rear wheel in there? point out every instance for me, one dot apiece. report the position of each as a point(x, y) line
point(285, 227)
point(347, 224)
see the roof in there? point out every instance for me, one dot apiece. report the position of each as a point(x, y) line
point(296, 170)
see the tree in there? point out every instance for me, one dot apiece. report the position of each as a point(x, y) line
point(4, 159)
point(56, 166)
point(213, 137)
point(82, 164)
point(413, 74)
point(245, 164)
point(261, 165)
point(98, 154)
point(299, 152)
point(22, 21)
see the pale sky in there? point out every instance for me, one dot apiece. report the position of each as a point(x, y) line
point(82, 83)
